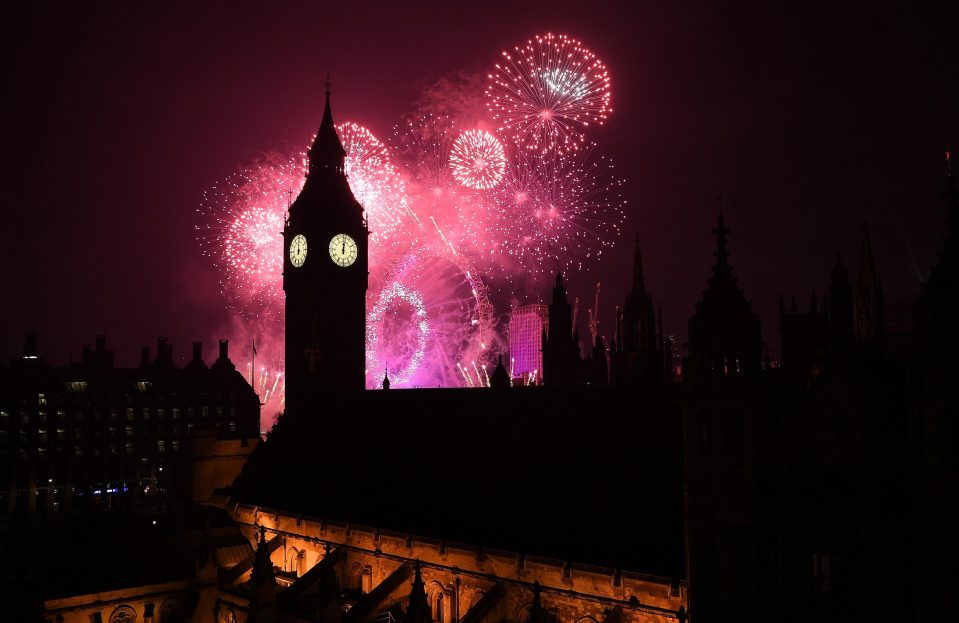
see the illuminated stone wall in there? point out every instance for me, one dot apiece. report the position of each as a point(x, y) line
point(463, 574)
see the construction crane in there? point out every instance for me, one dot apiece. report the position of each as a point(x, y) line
point(575, 313)
point(594, 315)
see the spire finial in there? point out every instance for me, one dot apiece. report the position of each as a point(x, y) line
point(328, 86)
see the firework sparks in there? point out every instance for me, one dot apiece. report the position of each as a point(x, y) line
point(242, 218)
point(397, 332)
point(554, 212)
point(477, 159)
point(378, 187)
point(433, 314)
point(548, 91)
point(447, 209)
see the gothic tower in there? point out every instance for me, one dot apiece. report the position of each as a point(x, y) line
point(868, 301)
point(561, 359)
point(639, 360)
point(725, 339)
point(325, 277)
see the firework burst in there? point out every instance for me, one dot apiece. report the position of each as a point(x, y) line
point(422, 149)
point(554, 212)
point(241, 220)
point(378, 187)
point(548, 91)
point(477, 159)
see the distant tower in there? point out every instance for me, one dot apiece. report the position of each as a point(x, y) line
point(325, 277)
point(725, 338)
point(526, 328)
point(561, 358)
point(868, 302)
point(640, 359)
point(839, 310)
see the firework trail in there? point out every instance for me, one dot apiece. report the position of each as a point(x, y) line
point(547, 92)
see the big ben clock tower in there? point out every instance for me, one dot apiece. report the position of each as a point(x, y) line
point(325, 277)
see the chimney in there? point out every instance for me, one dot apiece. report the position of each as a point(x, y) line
point(197, 362)
point(144, 356)
point(30, 346)
point(163, 351)
point(101, 343)
point(223, 363)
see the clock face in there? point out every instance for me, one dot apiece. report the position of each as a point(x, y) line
point(298, 250)
point(342, 250)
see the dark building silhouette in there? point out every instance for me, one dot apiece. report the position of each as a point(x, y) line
point(562, 362)
point(819, 490)
point(325, 277)
point(638, 355)
point(89, 435)
point(802, 338)
point(725, 338)
point(868, 301)
point(839, 310)
point(598, 364)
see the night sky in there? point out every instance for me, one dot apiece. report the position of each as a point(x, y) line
point(810, 121)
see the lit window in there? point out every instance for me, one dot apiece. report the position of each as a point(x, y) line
point(161, 446)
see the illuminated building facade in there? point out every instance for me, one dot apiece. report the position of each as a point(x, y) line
point(526, 327)
point(84, 436)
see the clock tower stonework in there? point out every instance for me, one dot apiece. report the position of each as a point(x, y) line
point(325, 278)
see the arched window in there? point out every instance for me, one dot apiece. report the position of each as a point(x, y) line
point(355, 578)
point(437, 599)
point(293, 561)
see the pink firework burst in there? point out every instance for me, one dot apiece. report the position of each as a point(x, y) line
point(556, 212)
point(422, 148)
point(548, 91)
point(377, 185)
point(477, 159)
point(241, 220)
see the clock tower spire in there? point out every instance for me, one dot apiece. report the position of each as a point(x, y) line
point(325, 277)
